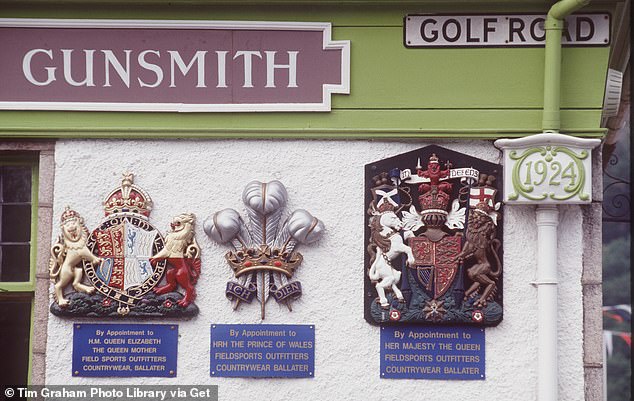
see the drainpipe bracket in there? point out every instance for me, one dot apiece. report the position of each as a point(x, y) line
point(543, 282)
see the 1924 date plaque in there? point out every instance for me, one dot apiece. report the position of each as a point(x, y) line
point(433, 240)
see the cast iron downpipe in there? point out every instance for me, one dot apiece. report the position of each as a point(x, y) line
point(548, 215)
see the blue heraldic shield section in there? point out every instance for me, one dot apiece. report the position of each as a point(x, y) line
point(433, 248)
point(126, 243)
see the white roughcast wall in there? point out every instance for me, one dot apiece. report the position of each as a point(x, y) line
point(327, 179)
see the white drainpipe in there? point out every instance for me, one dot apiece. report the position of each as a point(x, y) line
point(546, 283)
point(548, 215)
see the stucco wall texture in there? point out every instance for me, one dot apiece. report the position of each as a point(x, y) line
point(325, 178)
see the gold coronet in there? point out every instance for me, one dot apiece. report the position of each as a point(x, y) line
point(263, 258)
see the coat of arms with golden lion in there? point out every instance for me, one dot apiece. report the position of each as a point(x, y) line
point(125, 267)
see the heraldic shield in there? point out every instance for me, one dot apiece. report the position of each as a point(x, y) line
point(126, 244)
point(433, 240)
point(124, 259)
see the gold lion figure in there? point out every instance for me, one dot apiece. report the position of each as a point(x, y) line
point(69, 251)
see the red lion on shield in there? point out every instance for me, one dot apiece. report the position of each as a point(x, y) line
point(182, 253)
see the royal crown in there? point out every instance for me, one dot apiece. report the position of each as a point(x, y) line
point(128, 198)
point(263, 258)
point(69, 214)
point(434, 207)
point(433, 200)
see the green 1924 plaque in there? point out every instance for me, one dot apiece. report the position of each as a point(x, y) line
point(547, 168)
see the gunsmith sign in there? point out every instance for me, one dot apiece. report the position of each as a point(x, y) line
point(170, 65)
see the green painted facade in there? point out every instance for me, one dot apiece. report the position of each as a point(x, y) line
point(395, 92)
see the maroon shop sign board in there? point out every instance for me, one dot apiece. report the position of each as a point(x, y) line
point(185, 66)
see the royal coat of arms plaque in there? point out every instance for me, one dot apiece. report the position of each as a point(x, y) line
point(124, 259)
point(433, 240)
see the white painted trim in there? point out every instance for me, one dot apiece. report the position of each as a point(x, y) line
point(163, 24)
point(167, 107)
point(550, 138)
point(328, 44)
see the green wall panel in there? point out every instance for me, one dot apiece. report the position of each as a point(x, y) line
point(386, 74)
point(338, 123)
point(395, 91)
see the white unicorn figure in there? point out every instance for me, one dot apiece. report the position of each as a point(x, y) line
point(385, 244)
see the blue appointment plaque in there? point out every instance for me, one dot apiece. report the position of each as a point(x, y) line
point(125, 350)
point(262, 350)
point(440, 353)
